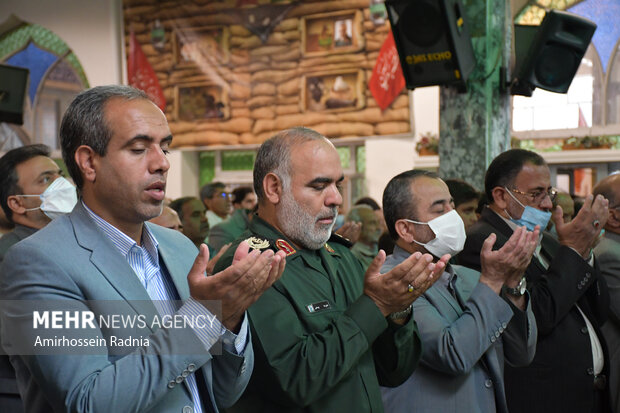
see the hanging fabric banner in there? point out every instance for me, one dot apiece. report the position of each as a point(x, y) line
point(141, 74)
point(387, 78)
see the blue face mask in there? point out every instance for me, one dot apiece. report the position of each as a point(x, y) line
point(339, 222)
point(530, 216)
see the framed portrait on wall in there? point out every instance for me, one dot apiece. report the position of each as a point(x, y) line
point(193, 45)
point(201, 102)
point(343, 33)
point(328, 33)
point(333, 91)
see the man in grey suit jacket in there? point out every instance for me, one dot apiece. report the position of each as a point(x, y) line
point(469, 322)
point(102, 260)
point(25, 173)
point(607, 253)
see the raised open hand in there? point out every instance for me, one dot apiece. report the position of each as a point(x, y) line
point(350, 230)
point(239, 285)
point(507, 264)
point(215, 259)
point(395, 290)
point(583, 231)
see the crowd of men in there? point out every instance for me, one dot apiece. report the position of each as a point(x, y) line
point(512, 310)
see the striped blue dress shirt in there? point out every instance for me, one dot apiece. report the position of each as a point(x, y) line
point(144, 260)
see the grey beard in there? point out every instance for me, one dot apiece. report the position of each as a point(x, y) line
point(300, 226)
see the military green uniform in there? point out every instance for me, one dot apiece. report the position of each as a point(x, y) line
point(321, 345)
point(227, 231)
point(364, 253)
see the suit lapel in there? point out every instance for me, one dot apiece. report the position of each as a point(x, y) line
point(110, 263)
point(172, 262)
point(533, 272)
point(465, 282)
point(496, 222)
point(438, 293)
point(549, 246)
point(442, 294)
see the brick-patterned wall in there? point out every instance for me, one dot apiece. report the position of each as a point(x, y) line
point(264, 80)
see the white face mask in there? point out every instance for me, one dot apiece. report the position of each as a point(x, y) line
point(58, 199)
point(449, 234)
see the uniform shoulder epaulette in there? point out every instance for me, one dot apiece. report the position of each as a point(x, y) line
point(339, 239)
point(285, 246)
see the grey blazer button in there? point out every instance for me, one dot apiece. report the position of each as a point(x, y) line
point(179, 379)
point(172, 384)
point(497, 334)
point(191, 367)
point(493, 339)
point(504, 325)
point(185, 373)
point(488, 383)
point(188, 409)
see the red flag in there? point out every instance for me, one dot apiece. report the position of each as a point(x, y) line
point(141, 75)
point(387, 78)
point(582, 120)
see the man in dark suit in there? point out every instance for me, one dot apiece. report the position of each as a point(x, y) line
point(570, 298)
point(607, 253)
point(25, 173)
point(103, 261)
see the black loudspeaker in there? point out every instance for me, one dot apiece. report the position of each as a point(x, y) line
point(548, 56)
point(433, 42)
point(13, 86)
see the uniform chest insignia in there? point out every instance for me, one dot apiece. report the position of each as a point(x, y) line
point(320, 306)
point(257, 243)
point(286, 247)
point(329, 249)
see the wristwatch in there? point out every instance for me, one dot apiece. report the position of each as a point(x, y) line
point(519, 290)
point(401, 314)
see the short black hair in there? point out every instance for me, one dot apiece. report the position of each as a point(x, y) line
point(398, 201)
point(84, 123)
point(461, 191)
point(482, 202)
point(579, 201)
point(8, 172)
point(368, 201)
point(386, 243)
point(505, 168)
point(239, 193)
point(178, 203)
point(208, 190)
